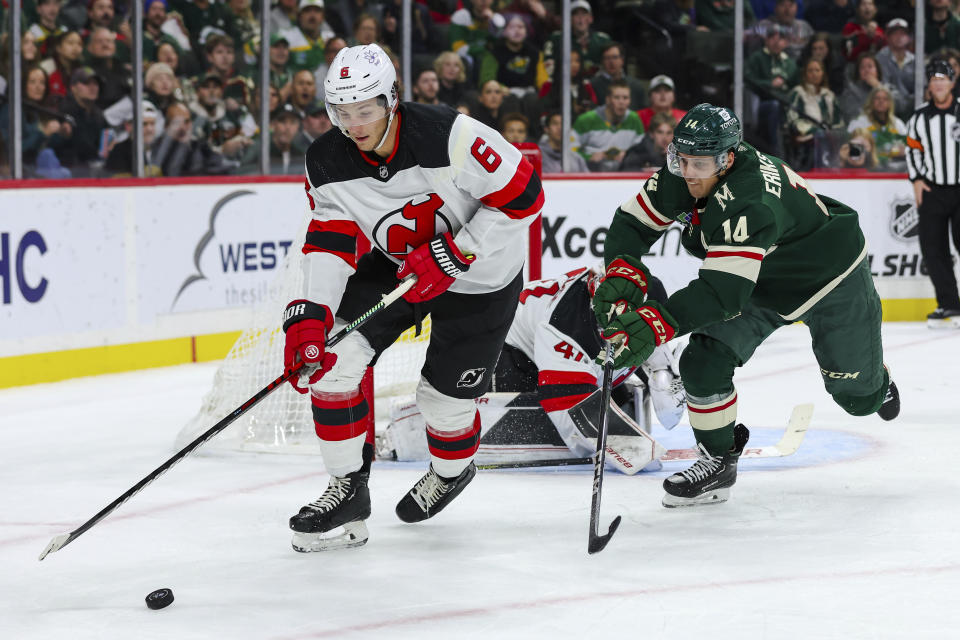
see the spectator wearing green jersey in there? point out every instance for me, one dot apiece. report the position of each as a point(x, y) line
point(889, 132)
point(308, 37)
point(770, 73)
point(609, 130)
point(280, 75)
point(472, 30)
point(942, 27)
point(584, 40)
point(718, 15)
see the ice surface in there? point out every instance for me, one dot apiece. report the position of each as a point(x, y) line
point(855, 536)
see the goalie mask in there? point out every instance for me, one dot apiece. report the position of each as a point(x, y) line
point(707, 132)
point(361, 88)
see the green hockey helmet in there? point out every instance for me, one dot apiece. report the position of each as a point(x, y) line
point(705, 130)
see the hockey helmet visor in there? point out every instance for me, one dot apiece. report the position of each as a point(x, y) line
point(701, 141)
point(695, 167)
point(359, 113)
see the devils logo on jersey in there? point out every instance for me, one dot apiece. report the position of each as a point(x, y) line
point(410, 226)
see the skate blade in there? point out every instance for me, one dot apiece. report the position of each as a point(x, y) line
point(946, 323)
point(355, 534)
point(711, 497)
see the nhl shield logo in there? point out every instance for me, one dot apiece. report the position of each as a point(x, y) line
point(955, 131)
point(904, 220)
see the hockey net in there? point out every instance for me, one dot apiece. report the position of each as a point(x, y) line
point(282, 422)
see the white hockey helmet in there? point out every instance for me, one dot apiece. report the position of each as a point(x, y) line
point(358, 74)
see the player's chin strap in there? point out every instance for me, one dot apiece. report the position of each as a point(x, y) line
point(386, 131)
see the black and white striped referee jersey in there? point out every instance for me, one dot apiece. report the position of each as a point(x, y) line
point(933, 144)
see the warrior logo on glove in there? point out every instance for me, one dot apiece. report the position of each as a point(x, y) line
point(436, 265)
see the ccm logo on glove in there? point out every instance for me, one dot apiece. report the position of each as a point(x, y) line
point(662, 332)
point(621, 269)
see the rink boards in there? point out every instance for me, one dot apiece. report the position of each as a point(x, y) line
point(102, 276)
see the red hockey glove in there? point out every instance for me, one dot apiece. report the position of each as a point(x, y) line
point(624, 285)
point(436, 264)
point(306, 325)
point(637, 333)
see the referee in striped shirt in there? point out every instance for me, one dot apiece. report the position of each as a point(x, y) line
point(933, 161)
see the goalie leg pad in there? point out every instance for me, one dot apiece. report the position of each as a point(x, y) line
point(630, 449)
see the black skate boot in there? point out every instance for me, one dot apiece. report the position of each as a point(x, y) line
point(943, 319)
point(345, 503)
point(890, 408)
point(709, 480)
point(432, 493)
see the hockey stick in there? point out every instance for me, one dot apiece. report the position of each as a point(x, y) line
point(595, 541)
point(60, 541)
point(787, 445)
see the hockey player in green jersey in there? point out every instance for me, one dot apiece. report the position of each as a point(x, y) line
point(774, 252)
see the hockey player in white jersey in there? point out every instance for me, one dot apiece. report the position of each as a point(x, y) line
point(442, 198)
point(545, 358)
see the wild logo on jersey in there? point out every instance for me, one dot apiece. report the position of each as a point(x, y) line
point(410, 226)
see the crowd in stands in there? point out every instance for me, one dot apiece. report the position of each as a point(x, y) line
point(829, 82)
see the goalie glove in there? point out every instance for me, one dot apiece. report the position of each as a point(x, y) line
point(624, 286)
point(436, 264)
point(636, 334)
point(306, 325)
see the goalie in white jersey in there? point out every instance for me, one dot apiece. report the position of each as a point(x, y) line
point(441, 197)
point(548, 358)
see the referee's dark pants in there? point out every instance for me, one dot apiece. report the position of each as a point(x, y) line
point(939, 221)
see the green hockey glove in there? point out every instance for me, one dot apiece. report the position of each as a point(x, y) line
point(623, 288)
point(636, 334)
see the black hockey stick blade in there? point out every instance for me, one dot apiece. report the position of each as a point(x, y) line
point(595, 541)
point(61, 540)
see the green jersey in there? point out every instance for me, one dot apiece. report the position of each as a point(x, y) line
point(764, 236)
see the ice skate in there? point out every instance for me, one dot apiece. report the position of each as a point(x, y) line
point(944, 319)
point(890, 408)
point(346, 504)
point(709, 480)
point(432, 493)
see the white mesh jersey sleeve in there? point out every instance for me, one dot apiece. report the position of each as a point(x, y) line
point(509, 192)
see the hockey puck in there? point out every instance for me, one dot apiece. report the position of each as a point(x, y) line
point(159, 599)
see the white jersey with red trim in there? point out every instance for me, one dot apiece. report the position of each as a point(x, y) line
point(447, 172)
point(555, 327)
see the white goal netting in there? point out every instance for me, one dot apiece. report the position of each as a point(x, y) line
point(282, 422)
